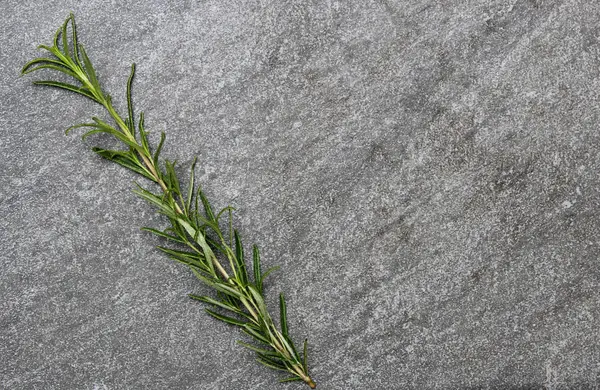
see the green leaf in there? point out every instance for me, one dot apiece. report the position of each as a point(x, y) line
point(224, 210)
point(258, 350)
point(89, 68)
point(290, 379)
point(230, 220)
point(122, 158)
point(106, 128)
point(57, 37)
point(171, 177)
point(252, 332)
point(227, 306)
point(155, 200)
point(191, 256)
point(96, 130)
point(190, 191)
point(220, 286)
point(200, 239)
point(290, 343)
point(203, 222)
point(144, 136)
point(68, 87)
point(256, 269)
point(103, 127)
point(233, 302)
point(283, 315)
point(305, 356)
point(48, 48)
point(200, 274)
point(61, 69)
point(47, 63)
point(216, 245)
point(177, 229)
point(80, 125)
point(289, 346)
point(131, 123)
point(74, 39)
point(53, 67)
point(229, 320)
point(207, 207)
point(159, 148)
point(190, 264)
point(239, 257)
point(163, 235)
point(212, 301)
point(64, 39)
point(269, 362)
point(40, 60)
point(270, 365)
point(258, 299)
point(269, 271)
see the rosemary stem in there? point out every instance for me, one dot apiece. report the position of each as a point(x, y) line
point(220, 268)
point(241, 295)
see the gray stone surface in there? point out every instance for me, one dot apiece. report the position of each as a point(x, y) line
point(424, 172)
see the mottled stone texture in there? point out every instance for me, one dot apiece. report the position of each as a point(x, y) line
point(424, 172)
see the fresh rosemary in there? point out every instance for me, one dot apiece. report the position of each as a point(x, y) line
point(195, 232)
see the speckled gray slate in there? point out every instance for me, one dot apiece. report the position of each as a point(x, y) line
point(426, 174)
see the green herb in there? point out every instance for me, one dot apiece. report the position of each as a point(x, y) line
point(214, 256)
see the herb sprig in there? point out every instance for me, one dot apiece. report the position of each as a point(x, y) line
point(215, 256)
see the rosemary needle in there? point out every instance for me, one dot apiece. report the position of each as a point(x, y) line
point(214, 256)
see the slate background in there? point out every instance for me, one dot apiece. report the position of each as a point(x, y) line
point(425, 173)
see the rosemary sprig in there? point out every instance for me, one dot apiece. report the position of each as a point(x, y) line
point(199, 242)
